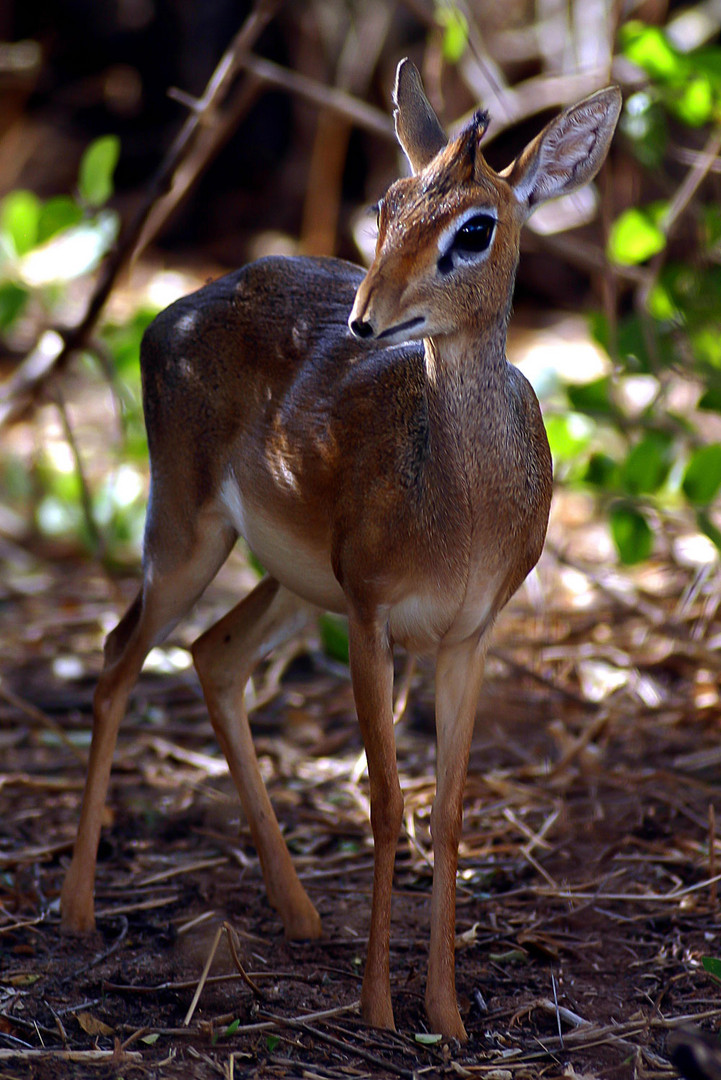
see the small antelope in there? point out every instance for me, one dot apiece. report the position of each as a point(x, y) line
point(388, 463)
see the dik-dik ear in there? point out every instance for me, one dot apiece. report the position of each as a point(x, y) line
point(568, 152)
point(417, 127)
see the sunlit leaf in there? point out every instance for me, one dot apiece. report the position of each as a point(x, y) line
point(455, 31)
point(649, 48)
point(568, 434)
point(631, 533)
point(634, 237)
point(95, 177)
point(19, 217)
point(661, 305)
point(702, 479)
point(71, 252)
point(694, 102)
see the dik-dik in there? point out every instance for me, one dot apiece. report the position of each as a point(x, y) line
point(366, 435)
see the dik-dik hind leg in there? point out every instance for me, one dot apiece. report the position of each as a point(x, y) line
point(224, 658)
point(371, 665)
point(459, 673)
point(166, 596)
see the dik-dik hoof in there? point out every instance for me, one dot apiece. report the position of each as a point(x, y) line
point(377, 1010)
point(303, 925)
point(76, 917)
point(445, 1019)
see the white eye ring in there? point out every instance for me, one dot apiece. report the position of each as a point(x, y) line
point(447, 238)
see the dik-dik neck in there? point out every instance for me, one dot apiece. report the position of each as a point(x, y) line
point(467, 375)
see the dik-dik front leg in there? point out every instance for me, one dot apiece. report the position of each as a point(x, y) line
point(371, 666)
point(459, 673)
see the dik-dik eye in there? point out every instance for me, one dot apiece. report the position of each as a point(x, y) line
point(470, 240)
point(474, 235)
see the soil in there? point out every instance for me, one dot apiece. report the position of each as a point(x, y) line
point(587, 878)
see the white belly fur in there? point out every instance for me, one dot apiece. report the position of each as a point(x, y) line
point(304, 571)
point(418, 620)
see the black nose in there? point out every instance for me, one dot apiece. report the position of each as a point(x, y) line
point(361, 328)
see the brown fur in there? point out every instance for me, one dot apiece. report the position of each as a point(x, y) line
point(408, 486)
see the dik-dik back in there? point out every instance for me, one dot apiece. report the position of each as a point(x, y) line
point(367, 437)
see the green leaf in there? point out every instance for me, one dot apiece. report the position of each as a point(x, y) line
point(708, 528)
point(711, 216)
point(634, 237)
point(428, 1038)
point(602, 472)
point(95, 178)
point(150, 1040)
point(19, 218)
point(255, 564)
point(702, 479)
point(271, 1042)
point(643, 122)
point(455, 31)
point(57, 214)
point(649, 48)
point(123, 341)
point(334, 636)
point(591, 397)
point(631, 533)
point(13, 299)
point(693, 102)
point(647, 464)
point(510, 956)
point(568, 435)
point(706, 345)
point(712, 965)
point(710, 400)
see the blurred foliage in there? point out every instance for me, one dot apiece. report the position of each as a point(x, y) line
point(45, 247)
point(638, 435)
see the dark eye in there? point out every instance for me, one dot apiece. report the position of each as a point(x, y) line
point(474, 235)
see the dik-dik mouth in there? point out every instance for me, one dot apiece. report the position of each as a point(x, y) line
point(400, 328)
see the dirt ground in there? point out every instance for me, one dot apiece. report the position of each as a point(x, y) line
point(587, 880)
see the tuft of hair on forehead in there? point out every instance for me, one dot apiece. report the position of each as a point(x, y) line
point(480, 122)
point(463, 152)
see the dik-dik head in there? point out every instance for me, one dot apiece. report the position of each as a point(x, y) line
point(448, 236)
